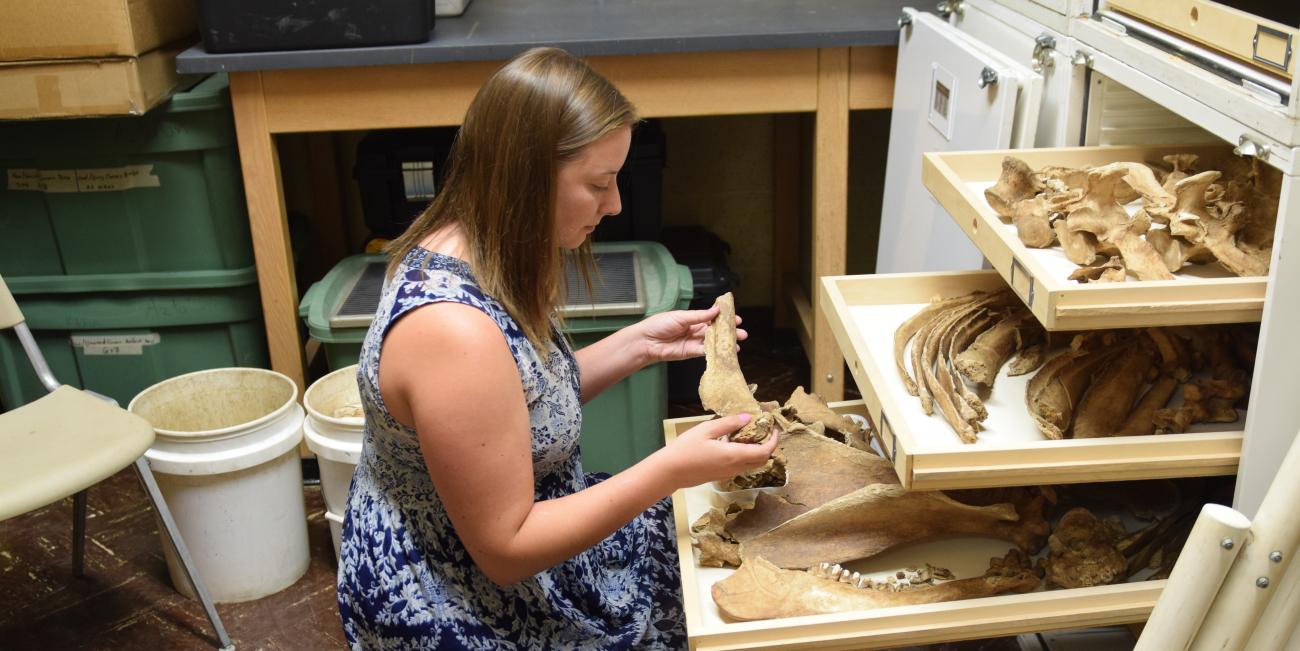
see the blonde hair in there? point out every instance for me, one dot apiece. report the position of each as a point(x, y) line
point(536, 112)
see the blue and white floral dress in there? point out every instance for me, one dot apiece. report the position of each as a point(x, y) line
point(406, 581)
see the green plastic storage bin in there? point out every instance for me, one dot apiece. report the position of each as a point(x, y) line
point(159, 192)
point(120, 334)
point(621, 426)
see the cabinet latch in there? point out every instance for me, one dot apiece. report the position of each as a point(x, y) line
point(1248, 147)
point(988, 77)
point(946, 8)
point(1043, 47)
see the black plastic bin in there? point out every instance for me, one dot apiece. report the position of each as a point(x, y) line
point(398, 172)
point(640, 186)
point(260, 25)
point(705, 254)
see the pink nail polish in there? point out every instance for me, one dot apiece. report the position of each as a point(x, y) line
point(745, 418)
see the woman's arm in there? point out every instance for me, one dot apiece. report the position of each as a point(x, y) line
point(663, 337)
point(447, 370)
point(609, 360)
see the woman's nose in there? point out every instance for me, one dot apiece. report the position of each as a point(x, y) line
point(615, 204)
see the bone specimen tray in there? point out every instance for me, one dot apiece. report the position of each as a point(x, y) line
point(901, 625)
point(1199, 294)
point(864, 312)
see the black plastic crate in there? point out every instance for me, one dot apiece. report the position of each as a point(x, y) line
point(640, 186)
point(398, 172)
point(705, 254)
point(261, 25)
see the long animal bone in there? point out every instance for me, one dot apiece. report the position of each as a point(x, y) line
point(1107, 401)
point(1053, 393)
point(761, 590)
point(723, 389)
point(981, 361)
point(876, 518)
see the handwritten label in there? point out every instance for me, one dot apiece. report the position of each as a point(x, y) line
point(104, 179)
point(115, 344)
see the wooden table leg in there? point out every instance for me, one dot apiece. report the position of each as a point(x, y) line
point(268, 223)
point(787, 210)
point(830, 210)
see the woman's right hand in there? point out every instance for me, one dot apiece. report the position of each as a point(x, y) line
point(700, 455)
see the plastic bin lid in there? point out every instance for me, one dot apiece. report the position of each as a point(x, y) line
point(667, 286)
point(213, 92)
point(132, 282)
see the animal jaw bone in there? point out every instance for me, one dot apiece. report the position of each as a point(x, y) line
point(876, 518)
point(761, 590)
point(818, 469)
point(899, 581)
point(723, 389)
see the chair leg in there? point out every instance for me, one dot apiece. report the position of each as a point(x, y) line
point(182, 552)
point(79, 534)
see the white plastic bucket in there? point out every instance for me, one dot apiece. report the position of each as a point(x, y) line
point(226, 460)
point(335, 438)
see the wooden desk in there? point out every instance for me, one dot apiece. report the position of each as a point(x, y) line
point(673, 58)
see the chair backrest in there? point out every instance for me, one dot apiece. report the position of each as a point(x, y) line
point(10, 315)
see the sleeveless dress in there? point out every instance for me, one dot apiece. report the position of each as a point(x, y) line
point(405, 579)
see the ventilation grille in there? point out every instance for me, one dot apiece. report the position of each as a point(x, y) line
point(362, 299)
point(1128, 118)
point(619, 290)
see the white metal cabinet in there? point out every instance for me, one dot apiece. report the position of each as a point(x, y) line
point(1047, 51)
point(951, 94)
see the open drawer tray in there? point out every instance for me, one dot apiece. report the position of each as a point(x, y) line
point(1199, 294)
point(864, 312)
point(898, 626)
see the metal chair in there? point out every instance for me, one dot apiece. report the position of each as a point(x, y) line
point(69, 440)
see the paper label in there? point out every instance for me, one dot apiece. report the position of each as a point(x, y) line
point(104, 179)
point(115, 344)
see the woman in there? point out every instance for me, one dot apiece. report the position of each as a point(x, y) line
point(470, 523)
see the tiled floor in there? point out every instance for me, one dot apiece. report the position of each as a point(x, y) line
point(126, 601)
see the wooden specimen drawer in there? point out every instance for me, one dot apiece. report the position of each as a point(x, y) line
point(1199, 294)
point(1264, 43)
point(864, 312)
point(901, 625)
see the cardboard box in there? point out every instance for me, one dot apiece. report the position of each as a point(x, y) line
point(86, 87)
point(60, 29)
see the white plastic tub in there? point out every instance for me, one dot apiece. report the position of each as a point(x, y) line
point(335, 436)
point(226, 460)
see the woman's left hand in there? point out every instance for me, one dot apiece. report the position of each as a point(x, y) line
point(670, 336)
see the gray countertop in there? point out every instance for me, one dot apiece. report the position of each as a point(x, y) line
point(499, 29)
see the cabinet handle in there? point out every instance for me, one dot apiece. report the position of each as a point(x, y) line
point(1029, 295)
